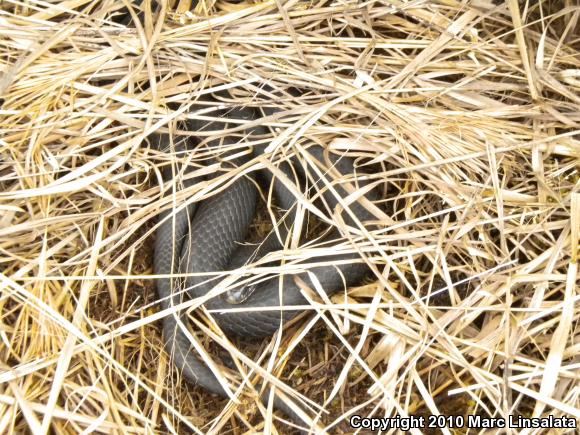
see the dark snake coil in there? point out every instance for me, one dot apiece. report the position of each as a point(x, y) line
point(206, 237)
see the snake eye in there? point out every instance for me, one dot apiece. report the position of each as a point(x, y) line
point(239, 295)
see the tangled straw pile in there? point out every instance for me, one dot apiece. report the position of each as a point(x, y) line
point(468, 114)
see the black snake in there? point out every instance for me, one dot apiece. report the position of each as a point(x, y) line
point(206, 237)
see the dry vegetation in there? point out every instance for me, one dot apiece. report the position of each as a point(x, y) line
point(465, 113)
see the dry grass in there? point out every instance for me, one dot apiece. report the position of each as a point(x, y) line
point(468, 116)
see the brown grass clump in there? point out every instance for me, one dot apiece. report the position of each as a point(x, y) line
point(467, 115)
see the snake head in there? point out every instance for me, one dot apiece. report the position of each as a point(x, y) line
point(239, 295)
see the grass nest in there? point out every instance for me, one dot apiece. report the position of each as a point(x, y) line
point(466, 116)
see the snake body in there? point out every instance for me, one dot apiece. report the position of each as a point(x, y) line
point(206, 238)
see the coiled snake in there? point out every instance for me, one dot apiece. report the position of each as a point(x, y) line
point(206, 237)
